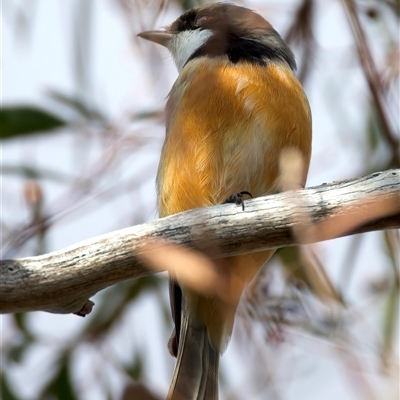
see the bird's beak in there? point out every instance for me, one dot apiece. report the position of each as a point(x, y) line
point(162, 37)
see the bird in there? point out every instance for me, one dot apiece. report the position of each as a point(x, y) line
point(234, 109)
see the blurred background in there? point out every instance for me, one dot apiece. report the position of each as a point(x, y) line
point(82, 128)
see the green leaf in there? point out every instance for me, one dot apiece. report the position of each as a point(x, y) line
point(187, 4)
point(135, 370)
point(373, 130)
point(20, 321)
point(390, 325)
point(6, 393)
point(25, 120)
point(29, 172)
point(113, 304)
point(154, 114)
point(60, 387)
point(17, 352)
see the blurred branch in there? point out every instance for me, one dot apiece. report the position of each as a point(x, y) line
point(83, 49)
point(301, 33)
point(61, 282)
point(83, 189)
point(373, 79)
point(26, 171)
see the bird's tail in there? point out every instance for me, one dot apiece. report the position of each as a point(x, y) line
point(196, 370)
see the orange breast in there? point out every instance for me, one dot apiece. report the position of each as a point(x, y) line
point(226, 127)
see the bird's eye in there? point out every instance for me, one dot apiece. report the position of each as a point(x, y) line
point(202, 20)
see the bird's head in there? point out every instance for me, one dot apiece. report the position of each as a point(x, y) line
point(222, 30)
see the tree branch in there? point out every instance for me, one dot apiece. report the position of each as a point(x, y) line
point(63, 281)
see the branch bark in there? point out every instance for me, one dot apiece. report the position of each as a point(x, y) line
point(63, 281)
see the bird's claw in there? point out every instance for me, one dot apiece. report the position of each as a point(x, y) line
point(237, 198)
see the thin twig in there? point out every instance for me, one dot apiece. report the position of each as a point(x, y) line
point(373, 79)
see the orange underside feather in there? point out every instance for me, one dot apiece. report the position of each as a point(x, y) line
point(226, 127)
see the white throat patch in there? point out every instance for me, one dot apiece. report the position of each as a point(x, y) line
point(186, 43)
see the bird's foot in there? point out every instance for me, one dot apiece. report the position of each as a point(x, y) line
point(237, 198)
